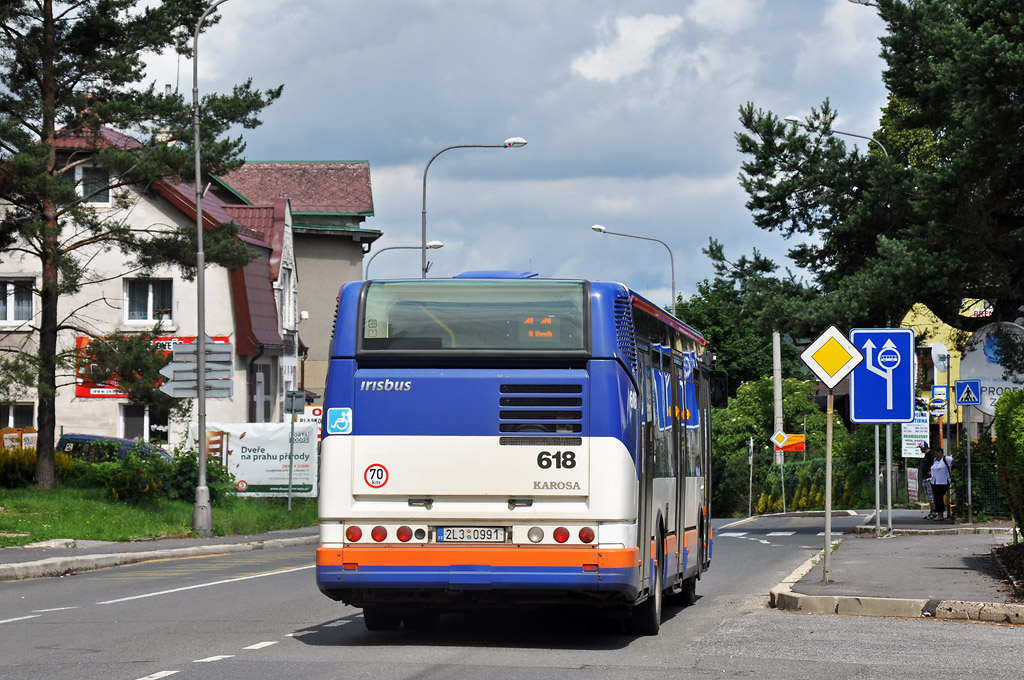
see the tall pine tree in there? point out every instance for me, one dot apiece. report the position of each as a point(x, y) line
point(75, 70)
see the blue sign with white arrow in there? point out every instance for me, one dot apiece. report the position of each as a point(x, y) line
point(882, 386)
point(968, 392)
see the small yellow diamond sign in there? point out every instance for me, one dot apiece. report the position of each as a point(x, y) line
point(832, 357)
point(780, 438)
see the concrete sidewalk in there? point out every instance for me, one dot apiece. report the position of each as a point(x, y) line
point(923, 569)
point(67, 556)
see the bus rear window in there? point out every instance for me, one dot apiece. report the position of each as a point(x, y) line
point(473, 315)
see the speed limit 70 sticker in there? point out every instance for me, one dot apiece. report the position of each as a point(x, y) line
point(376, 476)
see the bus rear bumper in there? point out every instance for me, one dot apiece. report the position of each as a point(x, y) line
point(486, 568)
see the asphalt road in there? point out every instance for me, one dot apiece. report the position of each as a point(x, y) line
point(258, 615)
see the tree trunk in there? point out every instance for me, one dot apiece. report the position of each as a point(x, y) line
point(47, 372)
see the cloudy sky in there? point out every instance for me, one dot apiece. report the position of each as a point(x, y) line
point(630, 111)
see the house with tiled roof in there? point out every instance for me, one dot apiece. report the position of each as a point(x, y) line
point(254, 307)
point(330, 202)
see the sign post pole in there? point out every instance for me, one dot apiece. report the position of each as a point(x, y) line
point(831, 357)
point(968, 394)
point(878, 509)
point(295, 402)
point(888, 476)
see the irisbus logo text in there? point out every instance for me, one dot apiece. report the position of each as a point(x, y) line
point(385, 386)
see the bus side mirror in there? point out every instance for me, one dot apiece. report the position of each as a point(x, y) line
point(719, 383)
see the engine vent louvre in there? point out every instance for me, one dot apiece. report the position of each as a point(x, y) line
point(534, 414)
point(625, 332)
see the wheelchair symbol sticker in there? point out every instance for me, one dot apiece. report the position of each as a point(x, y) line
point(339, 421)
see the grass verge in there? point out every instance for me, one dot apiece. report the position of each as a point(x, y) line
point(28, 516)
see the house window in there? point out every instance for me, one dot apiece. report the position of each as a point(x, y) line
point(16, 300)
point(95, 183)
point(140, 423)
point(17, 415)
point(148, 299)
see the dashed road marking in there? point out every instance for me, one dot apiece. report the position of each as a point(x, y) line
point(219, 657)
point(158, 675)
point(20, 618)
point(261, 645)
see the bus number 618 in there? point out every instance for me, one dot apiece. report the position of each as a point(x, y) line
point(560, 459)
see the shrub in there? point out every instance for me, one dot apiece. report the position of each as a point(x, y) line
point(137, 479)
point(18, 467)
point(182, 475)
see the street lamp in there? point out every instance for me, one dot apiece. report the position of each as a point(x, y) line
point(672, 261)
point(510, 143)
point(202, 521)
point(796, 121)
point(433, 245)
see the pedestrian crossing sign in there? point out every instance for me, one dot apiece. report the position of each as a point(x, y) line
point(968, 392)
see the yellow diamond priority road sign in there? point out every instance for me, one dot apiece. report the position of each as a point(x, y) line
point(779, 439)
point(832, 357)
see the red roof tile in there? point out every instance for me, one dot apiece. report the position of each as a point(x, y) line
point(92, 140)
point(312, 187)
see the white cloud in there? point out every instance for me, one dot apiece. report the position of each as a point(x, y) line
point(630, 48)
point(724, 17)
point(846, 38)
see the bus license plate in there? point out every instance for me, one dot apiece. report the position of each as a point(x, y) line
point(470, 534)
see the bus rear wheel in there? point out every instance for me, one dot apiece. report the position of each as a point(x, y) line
point(645, 619)
point(377, 618)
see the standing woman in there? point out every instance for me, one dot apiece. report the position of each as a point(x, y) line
point(941, 477)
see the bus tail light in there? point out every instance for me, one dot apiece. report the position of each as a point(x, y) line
point(587, 535)
point(561, 535)
point(379, 533)
point(353, 533)
point(404, 533)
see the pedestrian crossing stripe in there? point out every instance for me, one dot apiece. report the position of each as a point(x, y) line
point(732, 534)
point(781, 533)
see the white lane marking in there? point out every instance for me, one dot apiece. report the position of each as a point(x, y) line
point(781, 533)
point(20, 618)
point(219, 657)
point(834, 533)
point(300, 633)
point(261, 645)
point(158, 675)
point(55, 609)
point(736, 523)
point(732, 534)
point(204, 585)
point(335, 624)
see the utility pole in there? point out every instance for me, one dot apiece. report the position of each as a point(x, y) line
point(780, 454)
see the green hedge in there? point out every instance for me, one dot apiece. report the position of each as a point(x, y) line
point(1009, 423)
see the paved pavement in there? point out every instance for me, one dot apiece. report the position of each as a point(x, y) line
point(922, 569)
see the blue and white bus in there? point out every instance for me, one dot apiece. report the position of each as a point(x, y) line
point(492, 440)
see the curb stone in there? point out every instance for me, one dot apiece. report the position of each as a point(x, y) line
point(783, 597)
point(60, 566)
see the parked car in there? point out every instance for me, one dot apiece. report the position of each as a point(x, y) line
point(97, 448)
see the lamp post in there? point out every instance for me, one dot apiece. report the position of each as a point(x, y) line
point(796, 121)
point(510, 143)
point(202, 521)
point(433, 245)
point(672, 261)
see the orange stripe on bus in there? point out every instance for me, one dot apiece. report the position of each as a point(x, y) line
point(433, 556)
point(671, 544)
